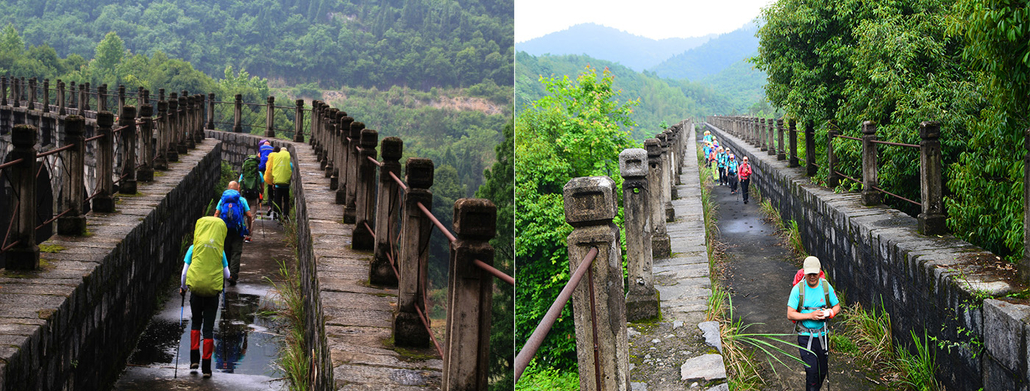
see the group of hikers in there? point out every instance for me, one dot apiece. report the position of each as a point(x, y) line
point(730, 172)
point(213, 260)
point(812, 301)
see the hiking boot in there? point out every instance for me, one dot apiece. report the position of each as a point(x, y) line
point(194, 349)
point(232, 281)
point(205, 363)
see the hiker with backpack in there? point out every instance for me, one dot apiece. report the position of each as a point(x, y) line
point(203, 274)
point(264, 150)
point(252, 182)
point(744, 174)
point(811, 304)
point(731, 172)
point(235, 212)
point(278, 172)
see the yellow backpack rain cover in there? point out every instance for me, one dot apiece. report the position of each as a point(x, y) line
point(204, 276)
point(281, 171)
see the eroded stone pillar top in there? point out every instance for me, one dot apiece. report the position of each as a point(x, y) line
point(589, 201)
point(633, 163)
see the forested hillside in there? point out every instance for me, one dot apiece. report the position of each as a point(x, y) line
point(415, 43)
point(606, 43)
point(712, 57)
point(660, 100)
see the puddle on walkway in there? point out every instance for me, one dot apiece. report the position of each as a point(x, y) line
point(246, 343)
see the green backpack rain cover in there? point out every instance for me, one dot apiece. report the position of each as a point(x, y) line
point(251, 185)
point(204, 276)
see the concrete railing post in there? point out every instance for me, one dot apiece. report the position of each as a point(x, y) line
point(666, 183)
point(237, 112)
point(408, 329)
point(47, 124)
point(102, 93)
point(139, 98)
point(198, 118)
point(211, 110)
point(810, 168)
point(870, 196)
point(298, 122)
point(832, 178)
point(338, 153)
point(793, 133)
point(642, 299)
point(351, 167)
point(73, 223)
point(318, 130)
point(387, 213)
point(73, 94)
point(781, 153)
point(661, 244)
point(146, 169)
point(127, 122)
point(25, 254)
point(32, 94)
point(85, 97)
point(171, 126)
point(270, 118)
point(364, 218)
point(3, 90)
point(315, 118)
point(81, 102)
point(121, 100)
point(186, 119)
point(932, 219)
point(103, 202)
point(46, 95)
point(470, 297)
point(331, 164)
point(770, 124)
point(61, 110)
point(598, 305)
point(763, 132)
point(161, 150)
point(674, 161)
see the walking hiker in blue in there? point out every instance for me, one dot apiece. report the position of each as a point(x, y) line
point(203, 274)
point(234, 210)
point(731, 172)
point(721, 160)
point(811, 304)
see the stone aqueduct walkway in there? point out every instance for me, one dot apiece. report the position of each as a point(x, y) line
point(358, 317)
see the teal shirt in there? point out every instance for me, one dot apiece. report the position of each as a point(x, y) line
point(814, 298)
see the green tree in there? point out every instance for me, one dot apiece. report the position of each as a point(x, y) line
point(499, 187)
point(573, 131)
point(109, 52)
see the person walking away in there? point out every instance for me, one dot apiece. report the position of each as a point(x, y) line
point(744, 173)
point(269, 183)
point(264, 150)
point(252, 182)
point(721, 158)
point(731, 171)
point(235, 212)
point(811, 304)
point(203, 274)
point(282, 171)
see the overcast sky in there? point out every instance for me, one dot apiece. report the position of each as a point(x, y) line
point(655, 19)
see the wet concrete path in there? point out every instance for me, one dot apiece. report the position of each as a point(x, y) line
point(246, 340)
point(758, 274)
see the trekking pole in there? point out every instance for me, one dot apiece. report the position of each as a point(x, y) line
point(179, 345)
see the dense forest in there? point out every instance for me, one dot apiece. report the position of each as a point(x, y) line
point(361, 43)
point(965, 64)
point(607, 43)
point(736, 89)
point(711, 57)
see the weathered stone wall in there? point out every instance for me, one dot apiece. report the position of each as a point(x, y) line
point(935, 285)
point(72, 324)
point(236, 146)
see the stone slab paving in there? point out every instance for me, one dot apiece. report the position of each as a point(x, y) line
point(358, 317)
point(684, 285)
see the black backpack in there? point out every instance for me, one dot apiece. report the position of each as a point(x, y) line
point(251, 184)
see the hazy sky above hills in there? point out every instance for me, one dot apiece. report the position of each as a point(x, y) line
point(656, 19)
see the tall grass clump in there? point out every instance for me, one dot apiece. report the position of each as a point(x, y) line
point(918, 369)
point(293, 360)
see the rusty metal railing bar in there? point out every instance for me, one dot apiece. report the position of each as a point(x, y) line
point(497, 273)
point(425, 322)
point(8, 247)
point(896, 144)
point(66, 211)
point(374, 161)
point(897, 196)
point(844, 175)
point(14, 214)
point(537, 338)
point(94, 138)
point(399, 181)
point(437, 223)
point(370, 230)
point(11, 163)
point(53, 151)
point(847, 137)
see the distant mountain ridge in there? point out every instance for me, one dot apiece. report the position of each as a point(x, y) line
point(711, 57)
point(606, 43)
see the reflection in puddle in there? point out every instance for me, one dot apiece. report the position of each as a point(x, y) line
point(244, 342)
